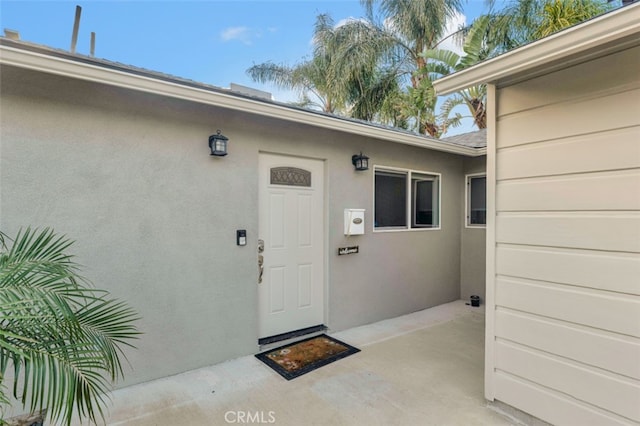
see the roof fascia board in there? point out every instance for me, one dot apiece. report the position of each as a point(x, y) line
point(89, 72)
point(604, 29)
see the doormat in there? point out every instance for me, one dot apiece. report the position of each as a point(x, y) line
point(296, 359)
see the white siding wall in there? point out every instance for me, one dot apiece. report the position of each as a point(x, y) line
point(566, 323)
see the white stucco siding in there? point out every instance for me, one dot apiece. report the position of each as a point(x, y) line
point(566, 343)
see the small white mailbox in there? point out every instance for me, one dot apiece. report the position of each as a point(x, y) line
point(353, 222)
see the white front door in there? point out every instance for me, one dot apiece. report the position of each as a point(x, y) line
point(291, 229)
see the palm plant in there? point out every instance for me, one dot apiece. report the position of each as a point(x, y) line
point(525, 21)
point(562, 14)
point(363, 88)
point(61, 340)
point(312, 79)
point(394, 43)
point(371, 69)
point(307, 78)
point(521, 22)
point(443, 62)
point(366, 92)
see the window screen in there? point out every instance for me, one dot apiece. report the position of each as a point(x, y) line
point(406, 199)
point(477, 214)
point(390, 199)
point(425, 201)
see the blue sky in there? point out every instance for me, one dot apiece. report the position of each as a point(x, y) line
point(210, 41)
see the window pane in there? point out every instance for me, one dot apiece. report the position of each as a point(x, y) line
point(391, 199)
point(478, 201)
point(425, 200)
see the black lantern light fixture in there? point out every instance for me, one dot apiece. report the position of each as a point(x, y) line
point(218, 144)
point(360, 162)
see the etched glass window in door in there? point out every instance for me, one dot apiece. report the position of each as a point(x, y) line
point(290, 176)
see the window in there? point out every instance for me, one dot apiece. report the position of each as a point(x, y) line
point(406, 199)
point(476, 200)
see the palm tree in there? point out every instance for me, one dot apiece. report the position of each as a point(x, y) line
point(311, 77)
point(368, 70)
point(521, 22)
point(367, 93)
point(395, 44)
point(363, 88)
point(562, 14)
point(443, 62)
point(61, 340)
point(525, 21)
point(308, 77)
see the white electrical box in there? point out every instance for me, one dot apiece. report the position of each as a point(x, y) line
point(353, 222)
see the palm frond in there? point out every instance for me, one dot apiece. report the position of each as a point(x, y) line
point(447, 57)
point(474, 43)
point(61, 338)
point(269, 72)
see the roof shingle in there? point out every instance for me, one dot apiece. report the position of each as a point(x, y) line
point(477, 139)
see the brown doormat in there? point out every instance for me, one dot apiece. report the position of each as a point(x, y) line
point(296, 359)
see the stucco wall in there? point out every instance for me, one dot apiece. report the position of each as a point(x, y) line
point(128, 176)
point(473, 245)
point(566, 321)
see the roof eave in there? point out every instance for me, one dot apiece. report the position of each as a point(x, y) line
point(549, 51)
point(149, 83)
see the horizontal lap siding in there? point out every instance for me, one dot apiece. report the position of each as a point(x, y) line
point(597, 231)
point(600, 76)
point(580, 117)
point(567, 255)
point(591, 192)
point(609, 150)
point(584, 383)
point(587, 346)
point(615, 272)
point(616, 313)
point(558, 408)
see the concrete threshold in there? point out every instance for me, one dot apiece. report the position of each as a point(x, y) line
point(425, 368)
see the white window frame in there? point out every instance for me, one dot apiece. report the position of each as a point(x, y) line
point(467, 201)
point(409, 200)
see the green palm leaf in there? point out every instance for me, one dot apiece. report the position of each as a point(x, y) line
point(60, 338)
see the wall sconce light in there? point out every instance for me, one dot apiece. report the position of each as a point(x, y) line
point(218, 144)
point(360, 162)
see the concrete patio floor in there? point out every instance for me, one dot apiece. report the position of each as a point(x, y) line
point(425, 368)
